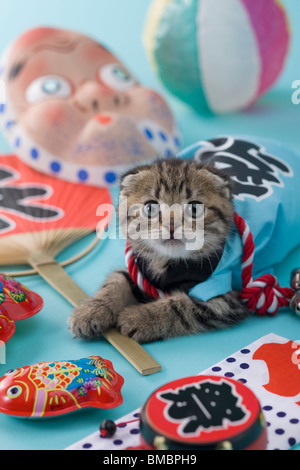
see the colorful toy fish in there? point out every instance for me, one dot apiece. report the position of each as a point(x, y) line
point(55, 388)
point(17, 302)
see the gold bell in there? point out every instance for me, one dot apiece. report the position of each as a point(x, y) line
point(225, 445)
point(160, 443)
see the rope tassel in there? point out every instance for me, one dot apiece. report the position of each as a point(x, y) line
point(264, 294)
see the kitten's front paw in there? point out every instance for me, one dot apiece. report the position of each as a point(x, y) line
point(131, 322)
point(92, 318)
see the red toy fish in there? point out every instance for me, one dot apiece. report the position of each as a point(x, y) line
point(55, 388)
point(17, 302)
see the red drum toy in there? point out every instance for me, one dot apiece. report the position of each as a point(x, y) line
point(203, 413)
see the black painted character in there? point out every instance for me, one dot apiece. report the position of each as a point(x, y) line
point(252, 170)
point(204, 406)
point(18, 199)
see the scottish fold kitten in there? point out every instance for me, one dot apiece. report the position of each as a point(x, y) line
point(173, 254)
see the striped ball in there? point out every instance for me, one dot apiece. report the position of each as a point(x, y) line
point(220, 55)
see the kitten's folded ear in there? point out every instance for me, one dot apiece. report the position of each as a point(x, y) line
point(221, 180)
point(130, 177)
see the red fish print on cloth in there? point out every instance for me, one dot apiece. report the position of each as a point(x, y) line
point(282, 362)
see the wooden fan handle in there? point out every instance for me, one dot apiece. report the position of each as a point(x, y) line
point(57, 277)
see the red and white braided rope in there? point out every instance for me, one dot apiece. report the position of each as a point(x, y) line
point(262, 295)
point(138, 278)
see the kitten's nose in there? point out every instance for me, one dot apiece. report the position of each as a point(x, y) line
point(171, 228)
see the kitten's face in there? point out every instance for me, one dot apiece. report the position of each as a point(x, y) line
point(175, 208)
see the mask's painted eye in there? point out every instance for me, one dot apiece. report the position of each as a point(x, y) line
point(47, 87)
point(194, 209)
point(10, 372)
point(151, 209)
point(116, 76)
point(14, 391)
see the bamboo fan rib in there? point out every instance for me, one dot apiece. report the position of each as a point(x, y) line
point(64, 263)
point(17, 249)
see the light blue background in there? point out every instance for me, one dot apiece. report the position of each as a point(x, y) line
point(119, 24)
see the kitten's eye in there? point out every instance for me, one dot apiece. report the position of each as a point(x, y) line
point(151, 209)
point(194, 209)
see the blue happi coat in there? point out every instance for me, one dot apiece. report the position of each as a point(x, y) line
point(266, 191)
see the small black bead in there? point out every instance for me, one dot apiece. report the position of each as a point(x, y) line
point(107, 428)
